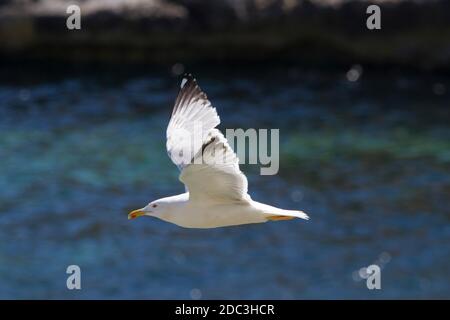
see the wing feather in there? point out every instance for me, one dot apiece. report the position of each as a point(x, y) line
point(209, 167)
point(193, 117)
point(215, 173)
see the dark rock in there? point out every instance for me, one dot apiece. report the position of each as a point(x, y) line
point(414, 34)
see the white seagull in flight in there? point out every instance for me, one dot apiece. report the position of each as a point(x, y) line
point(216, 190)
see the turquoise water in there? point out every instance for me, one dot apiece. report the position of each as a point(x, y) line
point(368, 160)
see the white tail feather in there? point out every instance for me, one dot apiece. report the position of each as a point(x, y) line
point(272, 212)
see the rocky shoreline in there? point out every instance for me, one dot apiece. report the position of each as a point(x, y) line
point(414, 34)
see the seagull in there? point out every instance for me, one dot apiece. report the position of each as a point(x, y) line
point(216, 191)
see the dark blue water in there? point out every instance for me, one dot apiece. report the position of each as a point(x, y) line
point(368, 160)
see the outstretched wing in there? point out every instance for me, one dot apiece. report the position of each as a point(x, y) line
point(193, 117)
point(210, 168)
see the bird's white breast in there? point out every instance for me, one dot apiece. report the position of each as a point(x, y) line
point(212, 215)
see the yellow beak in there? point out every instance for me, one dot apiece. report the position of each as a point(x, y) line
point(135, 213)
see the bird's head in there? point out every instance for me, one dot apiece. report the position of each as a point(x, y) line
point(153, 209)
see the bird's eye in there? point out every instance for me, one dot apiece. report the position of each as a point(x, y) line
point(154, 206)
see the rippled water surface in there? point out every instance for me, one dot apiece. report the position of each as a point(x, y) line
point(368, 160)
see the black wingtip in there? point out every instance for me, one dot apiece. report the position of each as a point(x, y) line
point(188, 76)
point(187, 81)
point(189, 89)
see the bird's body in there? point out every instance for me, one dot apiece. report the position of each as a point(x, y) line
point(199, 214)
point(217, 190)
point(212, 214)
